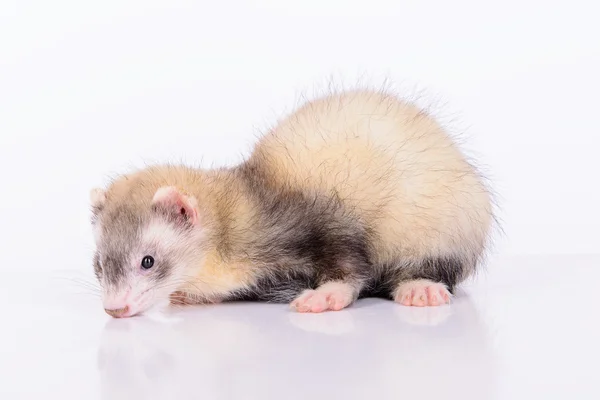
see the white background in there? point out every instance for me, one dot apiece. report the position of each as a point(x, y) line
point(90, 89)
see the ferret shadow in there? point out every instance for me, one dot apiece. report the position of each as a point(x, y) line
point(260, 351)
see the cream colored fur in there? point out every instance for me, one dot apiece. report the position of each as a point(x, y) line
point(394, 165)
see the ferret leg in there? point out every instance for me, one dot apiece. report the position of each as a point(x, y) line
point(428, 283)
point(330, 296)
point(339, 287)
point(182, 298)
point(421, 293)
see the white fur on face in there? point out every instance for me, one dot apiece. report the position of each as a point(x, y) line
point(160, 233)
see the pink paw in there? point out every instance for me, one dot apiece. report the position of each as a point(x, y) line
point(331, 296)
point(422, 293)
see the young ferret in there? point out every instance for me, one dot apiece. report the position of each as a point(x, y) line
point(355, 194)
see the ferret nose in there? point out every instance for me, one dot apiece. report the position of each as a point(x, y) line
point(117, 313)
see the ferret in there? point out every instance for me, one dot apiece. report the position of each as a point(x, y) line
point(354, 194)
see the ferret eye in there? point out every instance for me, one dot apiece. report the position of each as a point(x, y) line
point(147, 262)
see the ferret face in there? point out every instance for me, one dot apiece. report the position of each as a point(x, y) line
point(143, 250)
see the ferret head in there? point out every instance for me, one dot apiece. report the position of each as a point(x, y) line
point(144, 247)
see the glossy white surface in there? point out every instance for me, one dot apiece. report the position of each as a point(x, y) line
point(527, 328)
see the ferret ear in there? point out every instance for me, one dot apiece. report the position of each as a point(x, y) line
point(176, 203)
point(97, 199)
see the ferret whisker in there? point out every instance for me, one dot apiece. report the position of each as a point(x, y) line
point(84, 284)
point(95, 294)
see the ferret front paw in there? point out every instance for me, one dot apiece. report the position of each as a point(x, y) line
point(183, 298)
point(331, 296)
point(422, 293)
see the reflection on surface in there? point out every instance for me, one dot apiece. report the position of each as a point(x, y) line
point(376, 349)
